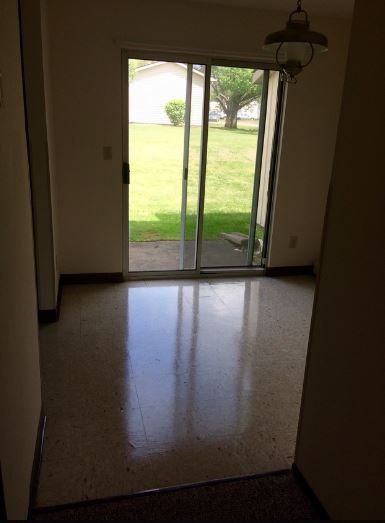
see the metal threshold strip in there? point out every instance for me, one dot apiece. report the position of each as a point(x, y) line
point(214, 272)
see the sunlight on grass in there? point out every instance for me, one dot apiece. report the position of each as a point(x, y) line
point(156, 159)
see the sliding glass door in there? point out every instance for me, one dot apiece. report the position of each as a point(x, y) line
point(234, 151)
point(200, 142)
point(165, 120)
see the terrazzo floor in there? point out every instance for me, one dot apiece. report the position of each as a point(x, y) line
point(155, 384)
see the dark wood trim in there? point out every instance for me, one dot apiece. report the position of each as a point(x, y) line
point(37, 460)
point(48, 315)
point(93, 277)
point(52, 315)
point(290, 271)
point(58, 299)
point(309, 492)
point(163, 490)
point(3, 509)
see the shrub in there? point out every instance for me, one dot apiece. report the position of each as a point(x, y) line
point(175, 111)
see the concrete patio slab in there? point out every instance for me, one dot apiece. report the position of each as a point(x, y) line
point(164, 255)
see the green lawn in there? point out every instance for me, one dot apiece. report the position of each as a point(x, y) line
point(156, 155)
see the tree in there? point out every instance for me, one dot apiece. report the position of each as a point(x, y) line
point(133, 65)
point(234, 89)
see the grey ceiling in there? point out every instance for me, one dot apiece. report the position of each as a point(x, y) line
point(339, 8)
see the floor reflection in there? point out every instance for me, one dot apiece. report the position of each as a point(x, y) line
point(161, 383)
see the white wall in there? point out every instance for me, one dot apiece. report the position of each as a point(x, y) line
point(39, 147)
point(308, 143)
point(340, 450)
point(86, 101)
point(20, 400)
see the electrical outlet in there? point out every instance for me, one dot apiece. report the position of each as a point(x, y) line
point(293, 240)
point(107, 152)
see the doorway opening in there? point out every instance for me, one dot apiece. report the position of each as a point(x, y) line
point(198, 142)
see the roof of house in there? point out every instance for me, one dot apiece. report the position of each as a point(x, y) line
point(156, 64)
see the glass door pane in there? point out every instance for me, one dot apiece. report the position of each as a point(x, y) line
point(191, 168)
point(235, 138)
point(164, 163)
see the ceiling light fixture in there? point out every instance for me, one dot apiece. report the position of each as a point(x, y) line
point(296, 45)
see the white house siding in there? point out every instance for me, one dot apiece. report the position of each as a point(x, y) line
point(197, 95)
point(152, 87)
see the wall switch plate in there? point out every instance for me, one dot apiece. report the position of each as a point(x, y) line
point(107, 152)
point(293, 240)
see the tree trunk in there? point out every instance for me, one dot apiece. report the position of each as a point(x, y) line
point(231, 119)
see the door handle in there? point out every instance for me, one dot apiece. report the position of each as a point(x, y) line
point(126, 173)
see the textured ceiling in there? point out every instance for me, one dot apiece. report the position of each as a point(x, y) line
point(338, 8)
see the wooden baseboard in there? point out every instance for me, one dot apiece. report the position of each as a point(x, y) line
point(51, 315)
point(3, 508)
point(94, 277)
point(48, 316)
point(37, 460)
point(309, 492)
point(290, 271)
